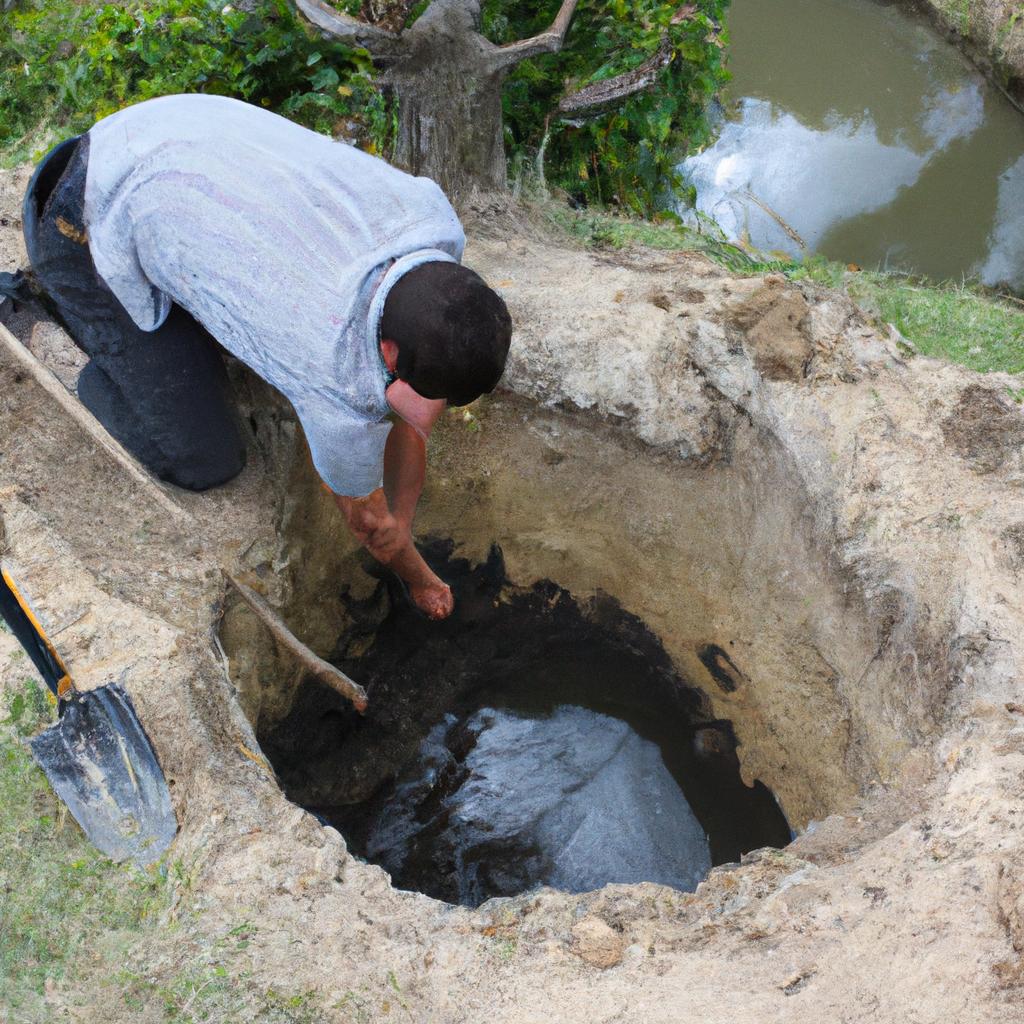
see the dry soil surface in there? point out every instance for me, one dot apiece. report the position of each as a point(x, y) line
point(896, 480)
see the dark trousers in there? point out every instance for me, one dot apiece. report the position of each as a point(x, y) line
point(163, 394)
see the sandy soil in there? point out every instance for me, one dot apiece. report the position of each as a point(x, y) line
point(642, 379)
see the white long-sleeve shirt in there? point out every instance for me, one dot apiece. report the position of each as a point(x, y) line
point(281, 242)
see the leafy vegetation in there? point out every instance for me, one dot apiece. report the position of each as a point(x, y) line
point(628, 155)
point(67, 64)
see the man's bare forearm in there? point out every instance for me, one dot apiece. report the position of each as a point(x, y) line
point(391, 544)
point(382, 521)
point(405, 467)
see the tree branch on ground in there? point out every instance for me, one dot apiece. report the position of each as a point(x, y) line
point(310, 662)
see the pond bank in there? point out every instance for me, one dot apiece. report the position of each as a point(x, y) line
point(990, 32)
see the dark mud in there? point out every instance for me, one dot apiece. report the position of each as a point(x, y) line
point(528, 652)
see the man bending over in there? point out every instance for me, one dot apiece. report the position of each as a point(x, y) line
point(188, 221)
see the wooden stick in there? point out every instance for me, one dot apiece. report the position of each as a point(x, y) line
point(315, 665)
point(42, 375)
point(778, 219)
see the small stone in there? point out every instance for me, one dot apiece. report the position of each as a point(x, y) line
point(597, 944)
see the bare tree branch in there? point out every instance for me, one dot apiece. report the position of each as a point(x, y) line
point(310, 662)
point(337, 25)
point(550, 41)
point(598, 95)
point(613, 90)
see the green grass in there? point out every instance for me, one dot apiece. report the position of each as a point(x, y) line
point(959, 12)
point(599, 229)
point(958, 322)
point(96, 934)
point(961, 323)
point(59, 893)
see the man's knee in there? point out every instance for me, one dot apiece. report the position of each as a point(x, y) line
point(199, 459)
point(193, 461)
point(210, 468)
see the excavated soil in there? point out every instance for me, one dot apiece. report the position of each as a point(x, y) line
point(819, 531)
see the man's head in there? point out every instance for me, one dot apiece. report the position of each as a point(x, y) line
point(452, 332)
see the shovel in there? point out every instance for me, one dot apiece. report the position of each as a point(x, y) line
point(97, 757)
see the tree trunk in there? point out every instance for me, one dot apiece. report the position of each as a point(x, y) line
point(448, 93)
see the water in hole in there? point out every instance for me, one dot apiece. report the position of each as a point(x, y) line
point(504, 801)
point(869, 135)
point(528, 740)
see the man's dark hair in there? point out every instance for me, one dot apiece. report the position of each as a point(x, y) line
point(453, 332)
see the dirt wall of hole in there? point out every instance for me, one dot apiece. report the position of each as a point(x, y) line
point(722, 562)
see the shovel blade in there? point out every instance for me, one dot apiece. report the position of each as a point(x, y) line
point(101, 764)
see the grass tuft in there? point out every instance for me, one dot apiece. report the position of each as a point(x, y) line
point(59, 891)
point(958, 322)
point(78, 930)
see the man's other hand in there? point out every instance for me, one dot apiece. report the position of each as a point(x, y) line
point(373, 525)
point(433, 598)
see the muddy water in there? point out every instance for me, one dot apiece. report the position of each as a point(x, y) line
point(548, 776)
point(871, 138)
point(526, 740)
point(501, 801)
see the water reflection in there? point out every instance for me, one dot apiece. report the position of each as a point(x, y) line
point(1006, 244)
point(856, 132)
point(810, 178)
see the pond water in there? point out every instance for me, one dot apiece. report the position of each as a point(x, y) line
point(870, 138)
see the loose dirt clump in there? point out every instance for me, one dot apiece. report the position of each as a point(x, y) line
point(987, 430)
point(773, 320)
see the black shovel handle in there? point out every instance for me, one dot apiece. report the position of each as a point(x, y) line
point(18, 614)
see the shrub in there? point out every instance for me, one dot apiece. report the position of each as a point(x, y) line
point(65, 64)
point(627, 155)
point(69, 64)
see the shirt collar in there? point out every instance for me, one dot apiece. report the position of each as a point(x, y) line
point(392, 275)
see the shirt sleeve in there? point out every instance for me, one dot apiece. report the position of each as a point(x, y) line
point(347, 448)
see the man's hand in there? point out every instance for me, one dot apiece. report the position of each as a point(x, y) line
point(373, 525)
point(433, 597)
point(389, 540)
point(382, 521)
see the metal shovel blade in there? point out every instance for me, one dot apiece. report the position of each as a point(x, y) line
point(102, 765)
